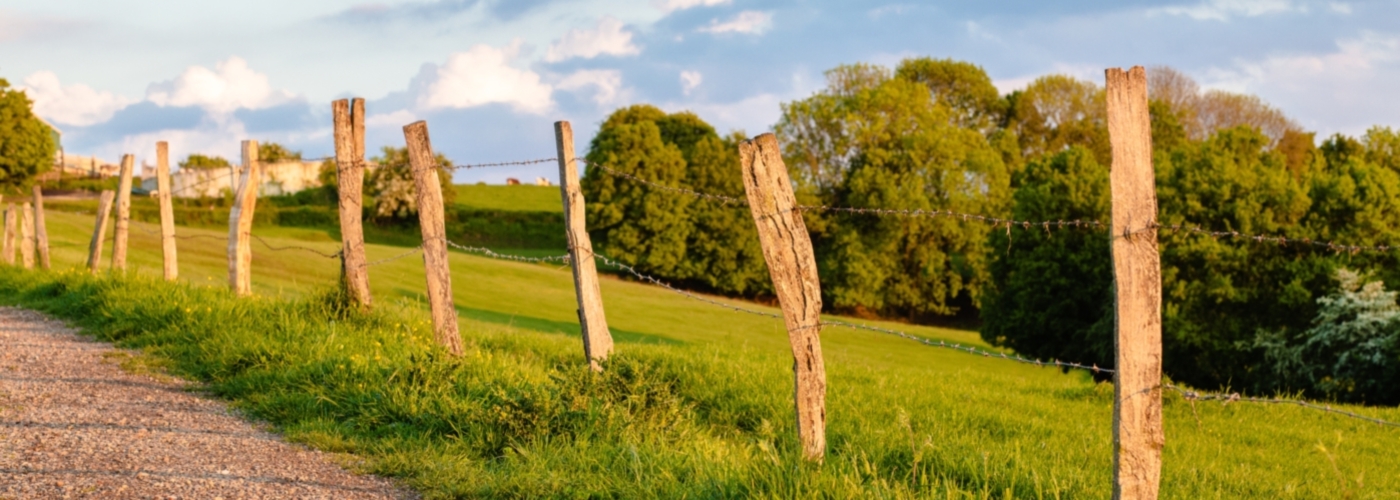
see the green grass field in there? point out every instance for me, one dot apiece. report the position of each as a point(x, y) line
point(512, 198)
point(696, 403)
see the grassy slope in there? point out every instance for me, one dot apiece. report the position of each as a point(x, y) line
point(513, 198)
point(698, 401)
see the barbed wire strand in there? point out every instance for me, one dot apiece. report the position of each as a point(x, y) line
point(518, 258)
point(412, 251)
point(295, 247)
point(1192, 395)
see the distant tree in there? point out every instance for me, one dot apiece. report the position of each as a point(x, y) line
point(272, 152)
point(1208, 112)
point(392, 188)
point(27, 145)
point(199, 161)
point(1383, 147)
point(1057, 111)
point(961, 86)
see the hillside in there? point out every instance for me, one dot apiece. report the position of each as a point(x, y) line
point(696, 404)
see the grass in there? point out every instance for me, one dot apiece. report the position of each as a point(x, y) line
point(510, 198)
point(696, 403)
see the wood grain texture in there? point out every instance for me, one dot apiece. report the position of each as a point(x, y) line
point(41, 229)
point(430, 219)
point(1137, 276)
point(240, 222)
point(167, 213)
point(597, 340)
point(787, 249)
point(26, 236)
point(99, 230)
point(7, 252)
point(350, 178)
point(123, 225)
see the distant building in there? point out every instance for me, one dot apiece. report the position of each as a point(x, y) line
point(283, 177)
point(76, 166)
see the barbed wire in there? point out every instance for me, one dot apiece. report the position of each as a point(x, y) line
point(394, 258)
point(650, 279)
point(1192, 395)
point(518, 258)
point(469, 166)
point(295, 247)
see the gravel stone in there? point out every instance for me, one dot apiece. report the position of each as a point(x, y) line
point(73, 424)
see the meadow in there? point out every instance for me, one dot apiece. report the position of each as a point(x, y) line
point(696, 403)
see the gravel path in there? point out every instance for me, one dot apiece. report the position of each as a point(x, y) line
point(73, 424)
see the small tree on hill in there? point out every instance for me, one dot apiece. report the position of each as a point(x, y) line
point(203, 162)
point(26, 144)
point(390, 184)
point(271, 152)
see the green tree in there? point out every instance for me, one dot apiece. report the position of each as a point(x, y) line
point(200, 161)
point(389, 183)
point(1051, 296)
point(27, 145)
point(961, 86)
point(271, 152)
point(698, 242)
point(1057, 111)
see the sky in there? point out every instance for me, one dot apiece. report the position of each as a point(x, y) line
point(491, 76)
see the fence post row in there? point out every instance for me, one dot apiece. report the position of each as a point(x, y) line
point(167, 213)
point(99, 230)
point(240, 222)
point(597, 340)
point(1137, 277)
point(26, 242)
point(350, 178)
point(788, 251)
point(8, 250)
point(430, 219)
point(41, 230)
point(123, 214)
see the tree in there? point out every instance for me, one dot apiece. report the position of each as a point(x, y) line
point(271, 152)
point(203, 162)
point(1057, 111)
point(961, 86)
point(27, 145)
point(391, 186)
point(1205, 113)
point(699, 242)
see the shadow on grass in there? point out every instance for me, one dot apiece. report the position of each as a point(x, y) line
point(543, 325)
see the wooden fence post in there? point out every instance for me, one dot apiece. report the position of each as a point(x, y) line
point(123, 214)
point(26, 241)
point(240, 222)
point(167, 212)
point(350, 179)
point(41, 228)
point(1137, 278)
point(99, 231)
point(11, 219)
point(597, 340)
point(430, 219)
point(788, 251)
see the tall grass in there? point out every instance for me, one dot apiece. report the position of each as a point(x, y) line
point(521, 416)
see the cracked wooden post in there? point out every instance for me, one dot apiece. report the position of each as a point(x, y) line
point(350, 178)
point(26, 236)
point(430, 219)
point(1137, 278)
point(7, 252)
point(41, 228)
point(597, 341)
point(240, 222)
point(167, 212)
point(99, 230)
point(123, 226)
point(788, 251)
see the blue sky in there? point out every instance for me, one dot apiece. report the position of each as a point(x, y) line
point(491, 76)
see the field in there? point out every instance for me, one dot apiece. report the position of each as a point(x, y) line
point(697, 403)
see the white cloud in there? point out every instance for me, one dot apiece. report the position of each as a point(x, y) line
point(690, 80)
point(607, 82)
point(749, 21)
point(1340, 7)
point(75, 104)
point(607, 38)
point(483, 75)
point(229, 86)
point(668, 6)
point(1223, 10)
point(1347, 88)
point(396, 119)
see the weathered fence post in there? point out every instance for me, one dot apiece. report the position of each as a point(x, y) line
point(123, 214)
point(11, 219)
point(99, 231)
point(167, 212)
point(350, 179)
point(597, 341)
point(788, 251)
point(430, 219)
point(26, 241)
point(41, 228)
point(1137, 278)
point(240, 222)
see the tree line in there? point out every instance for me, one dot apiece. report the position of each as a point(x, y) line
point(936, 134)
